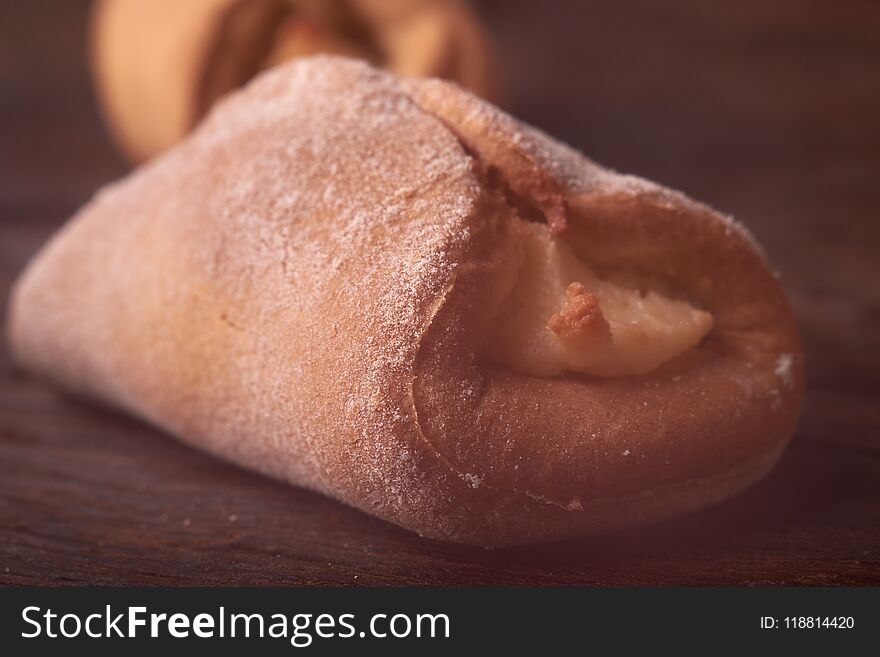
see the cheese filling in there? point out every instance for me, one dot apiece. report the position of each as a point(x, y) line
point(560, 316)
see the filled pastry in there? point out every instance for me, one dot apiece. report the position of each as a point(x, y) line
point(159, 65)
point(388, 291)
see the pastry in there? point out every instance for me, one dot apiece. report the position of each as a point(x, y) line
point(388, 291)
point(159, 65)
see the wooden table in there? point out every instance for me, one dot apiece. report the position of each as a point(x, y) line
point(766, 110)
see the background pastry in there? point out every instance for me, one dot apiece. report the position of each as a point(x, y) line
point(159, 65)
point(315, 283)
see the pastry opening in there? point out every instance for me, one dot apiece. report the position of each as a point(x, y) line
point(558, 314)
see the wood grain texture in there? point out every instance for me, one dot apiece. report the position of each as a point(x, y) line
point(765, 110)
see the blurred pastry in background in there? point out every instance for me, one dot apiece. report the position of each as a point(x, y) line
point(159, 65)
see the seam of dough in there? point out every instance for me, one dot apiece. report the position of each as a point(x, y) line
point(477, 480)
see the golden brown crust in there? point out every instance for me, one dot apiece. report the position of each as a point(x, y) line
point(304, 285)
point(159, 65)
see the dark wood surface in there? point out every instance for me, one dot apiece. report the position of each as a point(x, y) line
point(767, 110)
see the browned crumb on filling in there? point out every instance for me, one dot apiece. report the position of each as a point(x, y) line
point(581, 318)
